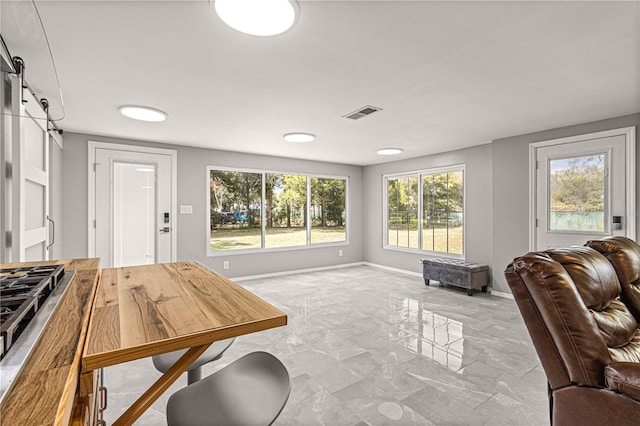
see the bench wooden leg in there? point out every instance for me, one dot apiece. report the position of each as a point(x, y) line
point(426, 281)
point(484, 288)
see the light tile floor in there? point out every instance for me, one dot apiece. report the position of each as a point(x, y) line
point(370, 346)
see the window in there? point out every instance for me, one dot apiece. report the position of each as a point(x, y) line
point(424, 210)
point(402, 202)
point(253, 210)
point(328, 210)
point(577, 194)
point(235, 204)
point(286, 201)
point(442, 206)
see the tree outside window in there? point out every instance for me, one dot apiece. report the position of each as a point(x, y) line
point(402, 212)
point(286, 200)
point(577, 194)
point(297, 210)
point(235, 210)
point(425, 211)
point(442, 219)
point(328, 210)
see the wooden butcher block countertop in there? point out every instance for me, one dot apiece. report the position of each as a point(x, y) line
point(148, 310)
point(44, 391)
point(106, 317)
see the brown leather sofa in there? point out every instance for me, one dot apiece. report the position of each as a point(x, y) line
point(581, 306)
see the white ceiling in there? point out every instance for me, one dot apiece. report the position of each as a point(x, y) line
point(447, 75)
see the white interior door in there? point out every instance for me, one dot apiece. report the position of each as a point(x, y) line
point(134, 221)
point(30, 178)
point(582, 190)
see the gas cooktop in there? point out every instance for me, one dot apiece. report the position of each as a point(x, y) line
point(22, 292)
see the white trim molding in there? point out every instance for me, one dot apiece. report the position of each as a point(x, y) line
point(91, 182)
point(347, 265)
point(461, 167)
point(309, 244)
point(295, 271)
point(630, 175)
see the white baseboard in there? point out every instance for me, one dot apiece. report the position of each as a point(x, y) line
point(389, 268)
point(295, 271)
point(502, 294)
point(346, 265)
point(419, 274)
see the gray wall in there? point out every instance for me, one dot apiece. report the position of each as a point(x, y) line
point(511, 188)
point(192, 186)
point(478, 206)
point(497, 198)
point(496, 210)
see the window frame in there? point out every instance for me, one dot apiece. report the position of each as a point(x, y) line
point(420, 174)
point(263, 172)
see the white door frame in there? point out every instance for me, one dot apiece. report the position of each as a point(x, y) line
point(630, 176)
point(172, 153)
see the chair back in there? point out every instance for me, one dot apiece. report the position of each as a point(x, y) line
point(570, 302)
point(624, 255)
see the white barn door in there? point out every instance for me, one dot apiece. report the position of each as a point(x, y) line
point(30, 178)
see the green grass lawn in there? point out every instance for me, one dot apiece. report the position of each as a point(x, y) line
point(238, 238)
point(433, 239)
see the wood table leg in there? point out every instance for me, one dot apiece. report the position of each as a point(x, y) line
point(160, 386)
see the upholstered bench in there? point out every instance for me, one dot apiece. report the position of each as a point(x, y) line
point(456, 272)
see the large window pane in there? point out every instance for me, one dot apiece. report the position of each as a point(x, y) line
point(235, 211)
point(263, 210)
point(442, 212)
point(455, 213)
point(328, 213)
point(402, 212)
point(286, 213)
point(577, 194)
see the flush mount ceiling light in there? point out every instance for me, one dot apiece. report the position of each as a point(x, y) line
point(143, 113)
point(258, 17)
point(389, 151)
point(299, 137)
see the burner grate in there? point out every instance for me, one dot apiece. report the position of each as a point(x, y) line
point(22, 292)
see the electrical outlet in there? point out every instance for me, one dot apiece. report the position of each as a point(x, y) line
point(340, 252)
point(225, 264)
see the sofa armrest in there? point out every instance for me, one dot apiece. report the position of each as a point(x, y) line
point(624, 378)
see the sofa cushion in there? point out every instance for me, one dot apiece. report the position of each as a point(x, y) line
point(624, 255)
point(624, 378)
point(629, 352)
point(592, 274)
point(599, 288)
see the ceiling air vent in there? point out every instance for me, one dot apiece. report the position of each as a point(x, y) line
point(362, 112)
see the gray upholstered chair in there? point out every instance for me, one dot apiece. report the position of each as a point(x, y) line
point(252, 390)
point(194, 372)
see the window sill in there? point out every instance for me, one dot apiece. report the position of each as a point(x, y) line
point(275, 249)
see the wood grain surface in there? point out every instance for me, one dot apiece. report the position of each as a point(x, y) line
point(45, 389)
point(148, 310)
point(130, 313)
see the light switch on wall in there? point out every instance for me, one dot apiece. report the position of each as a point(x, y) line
point(186, 209)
